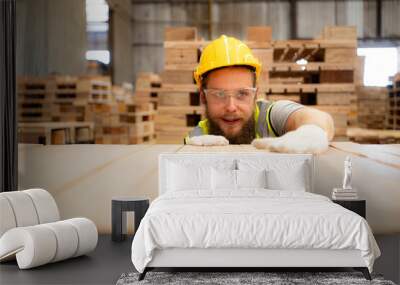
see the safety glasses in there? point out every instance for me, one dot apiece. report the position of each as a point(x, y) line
point(241, 95)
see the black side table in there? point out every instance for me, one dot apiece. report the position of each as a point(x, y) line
point(357, 206)
point(119, 207)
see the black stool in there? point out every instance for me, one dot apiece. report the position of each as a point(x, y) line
point(121, 205)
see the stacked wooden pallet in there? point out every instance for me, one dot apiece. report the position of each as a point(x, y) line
point(147, 88)
point(116, 116)
point(318, 72)
point(73, 97)
point(125, 123)
point(393, 108)
point(60, 98)
point(35, 96)
point(56, 132)
point(372, 103)
point(179, 107)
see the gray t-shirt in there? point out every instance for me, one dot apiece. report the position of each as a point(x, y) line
point(280, 112)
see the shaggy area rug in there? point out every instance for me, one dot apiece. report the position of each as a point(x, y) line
point(269, 278)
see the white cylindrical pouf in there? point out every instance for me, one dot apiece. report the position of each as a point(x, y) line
point(45, 205)
point(24, 209)
point(34, 245)
point(6, 215)
point(67, 239)
point(87, 233)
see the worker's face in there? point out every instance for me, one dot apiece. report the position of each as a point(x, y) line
point(231, 116)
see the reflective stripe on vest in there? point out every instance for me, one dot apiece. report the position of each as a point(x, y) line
point(262, 120)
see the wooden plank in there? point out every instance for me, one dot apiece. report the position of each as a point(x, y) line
point(181, 66)
point(335, 109)
point(259, 33)
point(179, 99)
point(294, 98)
point(177, 77)
point(286, 80)
point(186, 44)
point(265, 56)
point(314, 43)
point(340, 55)
point(180, 56)
point(334, 98)
point(180, 34)
point(336, 76)
point(179, 87)
point(359, 70)
point(340, 32)
point(284, 53)
point(310, 66)
point(309, 88)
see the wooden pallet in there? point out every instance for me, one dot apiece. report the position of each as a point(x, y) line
point(183, 116)
point(38, 89)
point(170, 98)
point(68, 112)
point(128, 124)
point(392, 120)
point(147, 88)
point(56, 132)
point(35, 95)
point(82, 90)
point(372, 107)
point(33, 111)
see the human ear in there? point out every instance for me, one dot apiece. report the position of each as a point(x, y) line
point(203, 97)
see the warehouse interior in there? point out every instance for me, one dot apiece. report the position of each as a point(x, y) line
point(104, 88)
point(128, 42)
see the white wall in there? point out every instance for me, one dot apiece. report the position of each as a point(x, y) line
point(84, 178)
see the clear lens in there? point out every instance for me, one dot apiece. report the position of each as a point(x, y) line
point(243, 95)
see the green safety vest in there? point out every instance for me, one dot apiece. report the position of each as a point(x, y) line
point(262, 118)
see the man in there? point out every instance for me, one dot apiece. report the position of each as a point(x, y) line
point(227, 77)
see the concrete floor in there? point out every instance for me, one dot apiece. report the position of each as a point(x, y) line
point(110, 259)
point(102, 266)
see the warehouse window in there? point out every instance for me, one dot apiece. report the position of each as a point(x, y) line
point(97, 17)
point(380, 64)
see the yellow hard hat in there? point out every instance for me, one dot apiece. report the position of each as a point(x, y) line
point(225, 51)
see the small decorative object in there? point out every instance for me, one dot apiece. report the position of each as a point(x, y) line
point(347, 173)
point(346, 192)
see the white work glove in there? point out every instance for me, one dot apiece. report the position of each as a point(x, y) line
point(305, 139)
point(207, 140)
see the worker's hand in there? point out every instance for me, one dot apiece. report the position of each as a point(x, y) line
point(207, 140)
point(305, 139)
